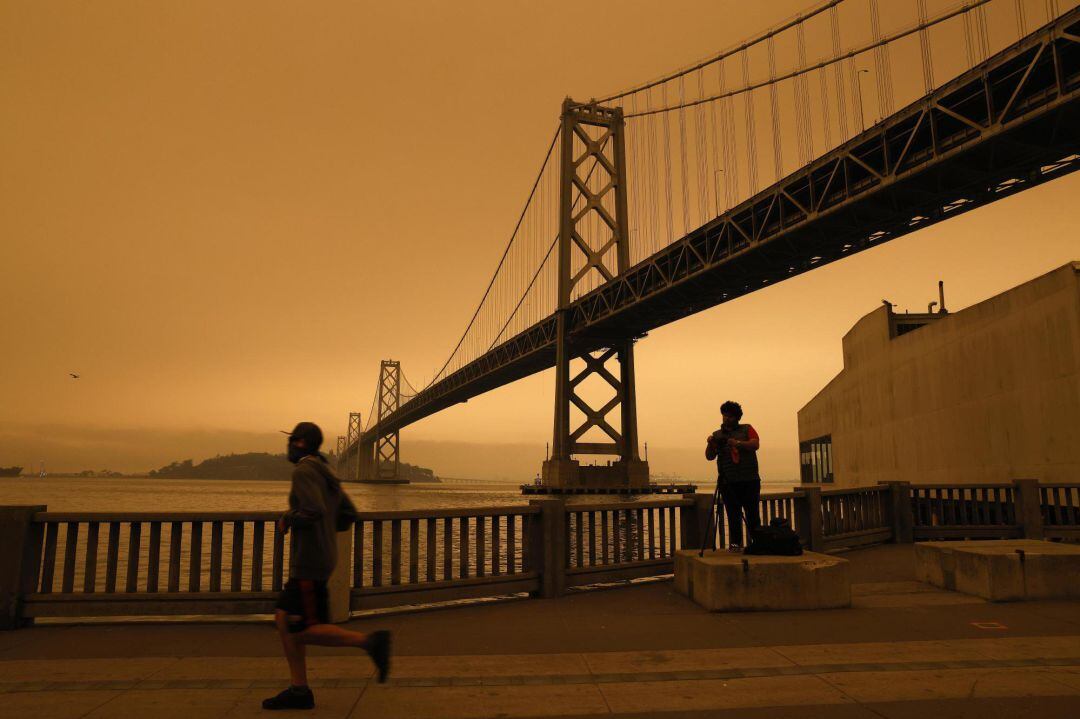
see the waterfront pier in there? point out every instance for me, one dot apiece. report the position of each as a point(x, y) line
point(903, 649)
point(577, 614)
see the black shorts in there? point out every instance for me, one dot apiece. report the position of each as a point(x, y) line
point(306, 599)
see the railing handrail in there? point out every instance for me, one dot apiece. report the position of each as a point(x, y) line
point(781, 495)
point(270, 516)
point(501, 511)
point(106, 517)
point(648, 504)
point(965, 485)
point(853, 490)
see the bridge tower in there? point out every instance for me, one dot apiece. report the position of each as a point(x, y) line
point(379, 461)
point(349, 468)
point(593, 240)
point(341, 448)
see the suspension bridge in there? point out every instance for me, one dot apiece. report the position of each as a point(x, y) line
point(771, 158)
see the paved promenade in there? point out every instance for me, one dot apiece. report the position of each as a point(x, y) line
point(903, 650)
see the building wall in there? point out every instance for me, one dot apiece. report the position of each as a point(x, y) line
point(987, 394)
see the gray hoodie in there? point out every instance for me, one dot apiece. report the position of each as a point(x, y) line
point(314, 502)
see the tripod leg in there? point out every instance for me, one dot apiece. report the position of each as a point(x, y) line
point(710, 527)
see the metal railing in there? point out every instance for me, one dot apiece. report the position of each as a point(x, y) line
point(613, 541)
point(972, 511)
point(74, 564)
point(103, 563)
point(425, 556)
point(1060, 505)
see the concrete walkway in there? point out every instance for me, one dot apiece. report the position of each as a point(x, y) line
point(903, 650)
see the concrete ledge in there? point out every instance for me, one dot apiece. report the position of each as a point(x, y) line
point(1003, 570)
point(720, 581)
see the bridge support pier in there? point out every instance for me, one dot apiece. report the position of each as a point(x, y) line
point(593, 246)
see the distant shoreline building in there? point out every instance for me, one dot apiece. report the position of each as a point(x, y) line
point(987, 394)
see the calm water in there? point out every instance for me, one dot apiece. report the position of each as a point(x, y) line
point(208, 495)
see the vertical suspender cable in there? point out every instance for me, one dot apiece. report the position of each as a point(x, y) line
point(716, 153)
point(654, 179)
point(751, 134)
point(774, 113)
point(984, 34)
point(683, 170)
point(882, 65)
point(826, 120)
point(667, 168)
point(838, 75)
point(925, 50)
point(702, 154)
point(802, 92)
point(969, 39)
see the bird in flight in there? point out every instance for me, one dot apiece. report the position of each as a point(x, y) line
point(73, 375)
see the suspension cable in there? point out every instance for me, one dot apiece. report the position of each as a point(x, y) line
point(824, 63)
point(502, 259)
point(797, 19)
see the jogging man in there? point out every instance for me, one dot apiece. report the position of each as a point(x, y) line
point(734, 447)
point(303, 615)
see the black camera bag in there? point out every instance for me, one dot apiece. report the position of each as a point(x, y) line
point(777, 539)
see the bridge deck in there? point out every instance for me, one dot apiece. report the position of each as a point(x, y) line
point(904, 649)
point(1007, 125)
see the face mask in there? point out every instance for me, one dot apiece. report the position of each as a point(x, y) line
point(295, 454)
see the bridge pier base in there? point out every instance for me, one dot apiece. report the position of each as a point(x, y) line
point(571, 474)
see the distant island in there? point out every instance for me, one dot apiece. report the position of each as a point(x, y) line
point(260, 466)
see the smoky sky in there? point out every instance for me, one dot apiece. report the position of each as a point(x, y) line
point(223, 215)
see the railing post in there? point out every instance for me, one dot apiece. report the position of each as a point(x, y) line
point(20, 538)
point(808, 517)
point(547, 544)
point(339, 586)
point(1029, 508)
point(898, 507)
point(694, 521)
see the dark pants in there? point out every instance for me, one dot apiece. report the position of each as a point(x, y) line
point(739, 498)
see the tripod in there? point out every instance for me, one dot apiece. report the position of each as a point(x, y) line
point(710, 529)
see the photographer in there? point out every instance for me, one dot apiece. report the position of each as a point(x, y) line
point(734, 447)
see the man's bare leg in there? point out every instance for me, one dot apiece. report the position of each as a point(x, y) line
point(295, 654)
point(329, 635)
point(376, 644)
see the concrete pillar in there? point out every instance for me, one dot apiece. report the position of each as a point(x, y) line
point(898, 506)
point(695, 522)
point(548, 546)
point(808, 518)
point(1029, 508)
point(20, 540)
point(339, 586)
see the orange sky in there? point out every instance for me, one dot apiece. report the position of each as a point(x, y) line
point(225, 214)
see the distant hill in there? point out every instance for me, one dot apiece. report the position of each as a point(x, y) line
point(257, 465)
point(251, 465)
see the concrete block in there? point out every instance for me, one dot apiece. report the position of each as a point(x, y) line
point(1001, 570)
point(721, 581)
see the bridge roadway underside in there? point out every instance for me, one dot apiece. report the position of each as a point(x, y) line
point(1007, 125)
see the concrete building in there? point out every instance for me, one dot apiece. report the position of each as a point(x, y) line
point(987, 394)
